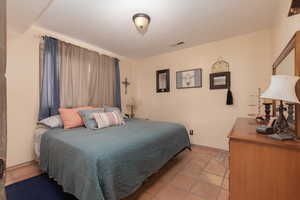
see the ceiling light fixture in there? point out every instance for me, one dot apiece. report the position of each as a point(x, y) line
point(141, 21)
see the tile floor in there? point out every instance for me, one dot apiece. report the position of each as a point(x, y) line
point(201, 174)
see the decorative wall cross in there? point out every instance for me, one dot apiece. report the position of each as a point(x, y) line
point(126, 84)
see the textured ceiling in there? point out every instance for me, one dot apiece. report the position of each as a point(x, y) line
point(108, 23)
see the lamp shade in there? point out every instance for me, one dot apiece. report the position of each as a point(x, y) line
point(131, 102)
point(282, 87)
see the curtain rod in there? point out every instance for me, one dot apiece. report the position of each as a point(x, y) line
point(43, 38)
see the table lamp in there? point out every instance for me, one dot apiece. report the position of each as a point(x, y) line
point(282, 88)
point(131, 104)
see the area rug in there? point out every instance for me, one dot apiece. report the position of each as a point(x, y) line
point(37, 188)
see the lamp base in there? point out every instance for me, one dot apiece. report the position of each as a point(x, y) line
point(281, 136)
point(297, 139)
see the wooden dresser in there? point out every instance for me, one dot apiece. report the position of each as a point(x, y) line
point(262, 168)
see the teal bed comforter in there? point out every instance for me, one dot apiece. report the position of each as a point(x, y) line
point(109, 163)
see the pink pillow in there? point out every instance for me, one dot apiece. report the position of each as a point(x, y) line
point(71, 117)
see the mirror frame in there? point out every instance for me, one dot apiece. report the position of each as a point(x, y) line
point(293, 44)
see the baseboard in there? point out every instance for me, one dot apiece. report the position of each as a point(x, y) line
point(21, 165)
point(207, 147)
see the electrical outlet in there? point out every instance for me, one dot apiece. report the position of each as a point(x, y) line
point(191, 132)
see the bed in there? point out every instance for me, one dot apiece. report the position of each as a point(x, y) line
point(109, 163)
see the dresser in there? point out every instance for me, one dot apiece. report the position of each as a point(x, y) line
point(262, 168)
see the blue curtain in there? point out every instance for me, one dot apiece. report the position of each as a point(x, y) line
point(49, 97)
point(118, 86)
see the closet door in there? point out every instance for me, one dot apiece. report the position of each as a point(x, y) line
point(2, 96)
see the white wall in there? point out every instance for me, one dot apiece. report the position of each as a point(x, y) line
point(201, 109)
point(22, 96)
point(126, 71)
point(284, 28)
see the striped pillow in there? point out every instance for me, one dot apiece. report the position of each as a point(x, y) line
point(106, 119)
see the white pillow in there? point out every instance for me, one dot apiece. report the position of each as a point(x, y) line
point(52, 122)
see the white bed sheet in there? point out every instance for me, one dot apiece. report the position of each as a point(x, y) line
point(39, 131)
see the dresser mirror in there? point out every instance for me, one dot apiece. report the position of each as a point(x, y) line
point(288, 63)
point(287, 66)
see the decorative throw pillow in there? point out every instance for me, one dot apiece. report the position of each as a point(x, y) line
point(107, 119)
point(110, 109)
point(88, 118)
point(52, 122)
point(71, 117)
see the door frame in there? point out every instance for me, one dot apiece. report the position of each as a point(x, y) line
point(3, 105)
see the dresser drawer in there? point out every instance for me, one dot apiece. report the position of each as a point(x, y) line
point(263, 172)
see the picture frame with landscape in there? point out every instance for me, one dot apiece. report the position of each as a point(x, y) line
point(220, 80)
point(189, 79)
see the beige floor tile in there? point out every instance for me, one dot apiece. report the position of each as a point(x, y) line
point(144, 196)
point(193, 197)
point(154, 187)
point(184, 155)
point(216, 168)
point(171, 193)
point(225, 184)
point(211, 178)
point(224, 195)
point(207, 150)
point(213, 153)
point(168, 175)
point(226, 163)
point(205, 190)
point(176, 165)
point(31, 170)
point(202, 156)
point(200, 162)
point(9, 179)
point(220, 155)
point(22, 173)
point(183, 182)
point(227, 173)
point(140, 195)
point(193, 169)
point(25, 177)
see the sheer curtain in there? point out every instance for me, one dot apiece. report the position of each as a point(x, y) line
point(86, 77)
point(102, 82)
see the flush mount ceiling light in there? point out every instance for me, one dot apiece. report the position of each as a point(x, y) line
point(141, 21)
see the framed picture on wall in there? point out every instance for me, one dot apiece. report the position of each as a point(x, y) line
point(219, 80)
point(189, 79)
point(163, 80)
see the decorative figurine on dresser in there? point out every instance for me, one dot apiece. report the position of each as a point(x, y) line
point(131, 105)
point(257, 103)
point(290, 111)
point(267, 111)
